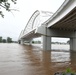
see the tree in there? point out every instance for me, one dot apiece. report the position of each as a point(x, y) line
point(4, 40)
point(0, 39)
point(33, 42)
point(39, 42)
point(6, 4)
point(9, 40)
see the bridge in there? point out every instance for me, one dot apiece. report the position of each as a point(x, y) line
point(61, 24)
point(36, 20)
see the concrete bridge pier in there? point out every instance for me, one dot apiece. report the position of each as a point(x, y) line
point(26, 41)
point(46, 42)
point(22, 41)
point(30, 42)
point(73, 44)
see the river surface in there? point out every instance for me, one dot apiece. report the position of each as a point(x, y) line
point(18, 59)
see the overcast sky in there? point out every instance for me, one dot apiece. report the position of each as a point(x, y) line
point(12, 24)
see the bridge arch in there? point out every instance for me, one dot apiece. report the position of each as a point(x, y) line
point(30, 23)
point(36, 20)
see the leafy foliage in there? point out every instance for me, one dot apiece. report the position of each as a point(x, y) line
point(5, 4)
point(69, 72)
point(9, 40)
point(0, 39)
point(4, 40)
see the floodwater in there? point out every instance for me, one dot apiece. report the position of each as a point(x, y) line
point(18, 59)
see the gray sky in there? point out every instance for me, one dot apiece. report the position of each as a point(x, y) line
point(14, 22)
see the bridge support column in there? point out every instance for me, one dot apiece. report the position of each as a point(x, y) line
point(46, 43)
point(22, 41)
point(19, 42)
point(73, 44)
point(30, 42)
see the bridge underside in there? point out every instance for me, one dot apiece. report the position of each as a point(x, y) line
point(65, 27)
point(66, 23)
point(31, 36)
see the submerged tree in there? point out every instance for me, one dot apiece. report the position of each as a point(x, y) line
point(6, 4)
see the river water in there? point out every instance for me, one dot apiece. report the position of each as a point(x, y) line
point(18, 59)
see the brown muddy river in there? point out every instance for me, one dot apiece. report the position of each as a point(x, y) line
point(18, 59)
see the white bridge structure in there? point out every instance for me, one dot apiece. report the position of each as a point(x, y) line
point(61, 24)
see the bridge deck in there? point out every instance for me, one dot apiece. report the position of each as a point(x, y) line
point(68, 22)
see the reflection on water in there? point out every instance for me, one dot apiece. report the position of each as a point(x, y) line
point(18, 59)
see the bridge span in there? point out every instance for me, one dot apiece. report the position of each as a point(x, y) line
point(61, 24)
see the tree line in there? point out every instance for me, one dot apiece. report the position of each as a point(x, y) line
point(7, 40)
point(36, 42)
